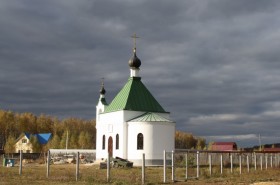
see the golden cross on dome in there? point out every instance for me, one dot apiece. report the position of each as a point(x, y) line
point(102, 81)
point(134, 39)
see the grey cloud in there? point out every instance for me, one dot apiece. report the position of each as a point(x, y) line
point(199, 59)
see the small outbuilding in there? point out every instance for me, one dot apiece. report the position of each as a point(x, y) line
point(23, 142)
point(224, 146)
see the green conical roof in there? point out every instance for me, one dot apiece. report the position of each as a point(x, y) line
point(136, 97)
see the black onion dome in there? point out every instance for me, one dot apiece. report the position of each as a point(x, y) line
point(102, 90)
point(134, 62)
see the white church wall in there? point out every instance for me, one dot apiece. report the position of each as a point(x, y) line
point(119, 129)
point(134, 128)
point(100, 130)
point(128, 115)
point(111, 124)
point(158, 136)
point(164, 139)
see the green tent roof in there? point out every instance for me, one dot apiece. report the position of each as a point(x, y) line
point(150, 117)
point(134, 96)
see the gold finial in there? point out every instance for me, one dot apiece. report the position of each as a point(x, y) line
point(102, 90)
point(102, 81)
point(134, 41)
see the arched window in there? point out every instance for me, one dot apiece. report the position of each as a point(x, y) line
point(140, 141)
point(117, 141)
point(103, 142)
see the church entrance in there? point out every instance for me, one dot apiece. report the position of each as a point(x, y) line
point(110, 146)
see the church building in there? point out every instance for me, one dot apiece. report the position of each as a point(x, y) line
point(133, 123)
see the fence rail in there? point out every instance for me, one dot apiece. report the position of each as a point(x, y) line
point(33, 156)
point(180, 165)
point(195, 162)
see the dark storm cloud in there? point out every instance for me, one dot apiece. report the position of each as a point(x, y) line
point(212, 64)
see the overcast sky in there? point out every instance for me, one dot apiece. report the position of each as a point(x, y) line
point(215, 65)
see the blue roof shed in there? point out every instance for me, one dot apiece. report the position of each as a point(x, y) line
point(43, 138)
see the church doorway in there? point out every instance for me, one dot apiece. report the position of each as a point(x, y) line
point(110, 146)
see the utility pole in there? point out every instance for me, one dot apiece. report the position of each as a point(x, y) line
point(260, 142)
point(66, 140)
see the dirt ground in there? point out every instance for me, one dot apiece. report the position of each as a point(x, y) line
point(266, 183)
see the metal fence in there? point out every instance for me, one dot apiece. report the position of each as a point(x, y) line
point(32, 156)
point(180, 165)
point(188, 164)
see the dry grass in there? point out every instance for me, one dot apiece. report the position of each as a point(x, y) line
point(65, 174)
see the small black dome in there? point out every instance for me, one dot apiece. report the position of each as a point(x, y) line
point(134, 62)
point(102, 90)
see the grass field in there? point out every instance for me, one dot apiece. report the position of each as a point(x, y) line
point(65, 174)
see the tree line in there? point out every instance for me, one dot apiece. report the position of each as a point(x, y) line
point(81, 133)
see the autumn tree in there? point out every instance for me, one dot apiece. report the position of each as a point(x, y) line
point(36, 146)
point(200, 144)
point(54, 142)
point(73, 141)
point(44, 124)
point(184, 140)
point(85, 140)
point(26, 122)
point(7, 122)
point(63, 141)
point(88, 141)
point(81, 140)
point(10, 144)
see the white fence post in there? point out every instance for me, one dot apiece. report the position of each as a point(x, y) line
point(187, 166)
point(231, 163)
point(48, 163)
point(221, 163)
point(261, 161)
point(143, 169)
point(164, 166)
point(266, 161)
point(173, 166)
point(248, 165)
point(240, 163)
point(275, 160)
point(77, 165)
point(197, 164)
point(20, 162)
point(271, 161)
point(278, 159)
point(210, 164)
point(108, 167)
point(255, 158)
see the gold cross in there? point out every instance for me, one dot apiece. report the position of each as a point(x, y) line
point(102, 82)
point(134, 39)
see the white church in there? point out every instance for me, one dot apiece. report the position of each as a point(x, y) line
point(133, 123)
